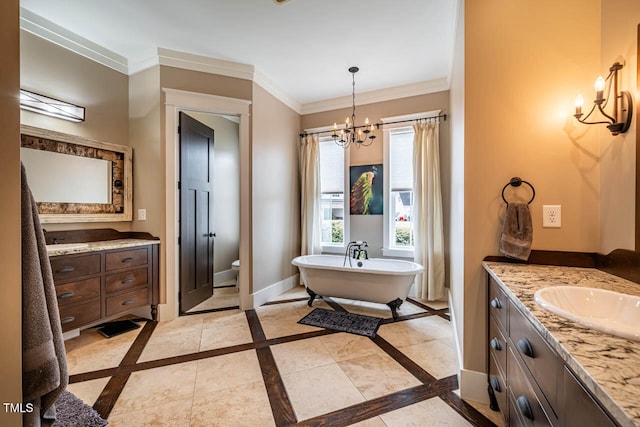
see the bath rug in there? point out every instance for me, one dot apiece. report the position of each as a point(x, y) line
point(111, 329)
point(358, 324)
point(73, 412)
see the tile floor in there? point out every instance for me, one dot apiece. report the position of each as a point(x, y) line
point(262, 368)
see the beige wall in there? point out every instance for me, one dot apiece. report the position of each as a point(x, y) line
point(54, 71)
point(620, 20)
point(11, 302)
point(370, 227)
point(226, 189)
point(275, 189)
point(524, 64)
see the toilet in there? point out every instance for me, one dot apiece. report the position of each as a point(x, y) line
point(235, 266)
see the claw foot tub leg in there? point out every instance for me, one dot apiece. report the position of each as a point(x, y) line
point(394, 305)
point(312, 296)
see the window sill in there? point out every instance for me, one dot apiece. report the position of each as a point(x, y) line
point(333, 250)
point(398, 253)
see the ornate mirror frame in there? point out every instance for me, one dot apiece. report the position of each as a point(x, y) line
point(120, 208)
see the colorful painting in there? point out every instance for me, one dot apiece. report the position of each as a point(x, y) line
point(366, 190)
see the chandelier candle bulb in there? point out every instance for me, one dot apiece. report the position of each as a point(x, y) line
point(579, 104)
point(599, 86)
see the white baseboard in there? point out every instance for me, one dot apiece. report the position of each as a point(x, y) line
point(473, 384)
point(277, 289)
point(224, 276)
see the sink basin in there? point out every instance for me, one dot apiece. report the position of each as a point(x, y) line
point(607, 311)
point(67, 246)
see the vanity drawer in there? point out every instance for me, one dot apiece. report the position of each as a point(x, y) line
point(126, 259)
point(78, 291)
point(499, 385)
point(497, 345)
point(537, 356)
point(525, 406)
point(123, 302)
point(76, 315)
point(70, 267)
point(126, 280)
point(498, 303)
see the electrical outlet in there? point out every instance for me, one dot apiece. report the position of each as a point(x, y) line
point(552, 216)
point(142, 214)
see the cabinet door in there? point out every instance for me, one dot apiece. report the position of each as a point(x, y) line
point(579, 408)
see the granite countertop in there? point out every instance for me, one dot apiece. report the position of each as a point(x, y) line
point(78, 248)
point(607, 365)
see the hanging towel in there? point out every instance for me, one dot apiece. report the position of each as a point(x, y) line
point(517, 232)
point(44, 364)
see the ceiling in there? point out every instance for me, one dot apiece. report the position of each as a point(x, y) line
point(303, 47)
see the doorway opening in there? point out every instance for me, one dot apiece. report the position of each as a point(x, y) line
point(217, 224)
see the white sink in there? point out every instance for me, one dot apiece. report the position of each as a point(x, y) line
point(607, 311)
point(67, 246)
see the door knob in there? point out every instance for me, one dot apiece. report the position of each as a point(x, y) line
point(212, 234)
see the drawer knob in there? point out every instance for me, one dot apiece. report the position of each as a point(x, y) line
point(127, 302)
point(495, 344)
point(525, 347)
point(65, 295)
point(495, 384)
point(524, 407)
point(67, 320)
point(66, 269)
point(127, 260)
point(495, 303)
point(128, 280)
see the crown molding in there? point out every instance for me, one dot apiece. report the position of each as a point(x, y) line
point(387, 94)
point(274, 90)
point(205, 64)
point(56, 34)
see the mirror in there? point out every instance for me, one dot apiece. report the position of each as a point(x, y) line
point(75, 179)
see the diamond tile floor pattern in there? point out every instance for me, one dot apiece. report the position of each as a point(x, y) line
point(261, 368)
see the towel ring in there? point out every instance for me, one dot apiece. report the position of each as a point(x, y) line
point(517, 182)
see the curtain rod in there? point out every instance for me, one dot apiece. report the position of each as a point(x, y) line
point(378, 125)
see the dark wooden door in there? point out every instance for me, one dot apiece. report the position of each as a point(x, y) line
point(196, 212)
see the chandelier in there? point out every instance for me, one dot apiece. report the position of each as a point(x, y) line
point(352, 134)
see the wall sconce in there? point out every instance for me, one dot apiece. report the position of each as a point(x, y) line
point(50, 107)
point(620, 119)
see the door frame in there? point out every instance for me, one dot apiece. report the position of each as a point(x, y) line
point(176, 101)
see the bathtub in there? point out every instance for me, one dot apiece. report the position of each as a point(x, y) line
point(385, 281)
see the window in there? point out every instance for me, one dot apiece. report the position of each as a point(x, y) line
point(334, 225)
point(400, 191)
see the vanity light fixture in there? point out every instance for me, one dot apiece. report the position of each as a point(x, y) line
point(352, 134)
point(620, 118)
point(50, 107)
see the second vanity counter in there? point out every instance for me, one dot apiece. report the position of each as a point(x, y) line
point(78, 248)
point(608, 366)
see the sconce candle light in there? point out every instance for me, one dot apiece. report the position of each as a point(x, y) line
point(50, 107)
point(352, 134)
point(620, 118)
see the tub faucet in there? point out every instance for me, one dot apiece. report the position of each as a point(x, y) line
point(356, 250)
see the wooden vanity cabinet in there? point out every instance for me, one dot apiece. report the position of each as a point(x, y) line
point(528, 382)
point(96, 285)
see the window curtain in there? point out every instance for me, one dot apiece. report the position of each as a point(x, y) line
point(427, 212)
point(310, 194)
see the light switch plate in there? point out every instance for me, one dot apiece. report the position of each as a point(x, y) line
point(142, 214)
point(552, 216)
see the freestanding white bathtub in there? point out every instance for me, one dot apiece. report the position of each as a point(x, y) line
point(379, 280)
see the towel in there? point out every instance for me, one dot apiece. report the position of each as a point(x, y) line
point(517, 232)
point(44, 364)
